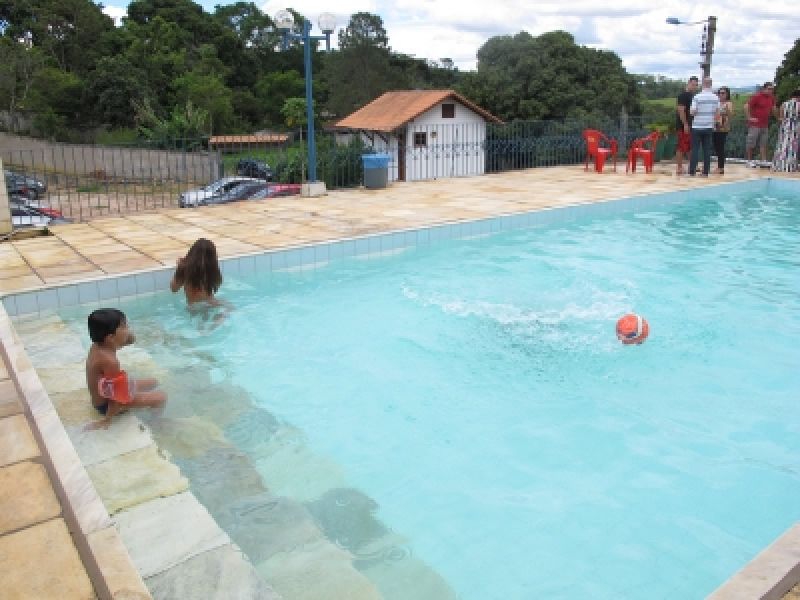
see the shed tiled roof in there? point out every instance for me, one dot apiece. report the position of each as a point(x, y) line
point(392, 110)
point(259, 138)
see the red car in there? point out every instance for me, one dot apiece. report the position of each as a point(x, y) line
point(274, 190)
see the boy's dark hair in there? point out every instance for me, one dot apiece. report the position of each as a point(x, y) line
point(200, 270)
point(694, 78)
point(104, 322)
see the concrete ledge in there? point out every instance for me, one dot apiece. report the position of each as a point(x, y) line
point(83, 511)
point(312, 189)
point(770, 575)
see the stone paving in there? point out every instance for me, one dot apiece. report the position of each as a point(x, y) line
point(145, 492)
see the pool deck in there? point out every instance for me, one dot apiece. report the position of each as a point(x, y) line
point(42, 550)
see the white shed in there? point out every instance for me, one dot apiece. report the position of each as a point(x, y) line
point(428, 133)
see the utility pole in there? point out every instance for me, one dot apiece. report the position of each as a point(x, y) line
point(707, 46)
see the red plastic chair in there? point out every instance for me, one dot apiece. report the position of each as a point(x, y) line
point(644, 148)
point(594, 149)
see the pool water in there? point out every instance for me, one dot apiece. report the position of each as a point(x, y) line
point(470, 403)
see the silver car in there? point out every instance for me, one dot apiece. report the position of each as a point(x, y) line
point(196, 197)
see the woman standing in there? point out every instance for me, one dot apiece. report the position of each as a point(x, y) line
point(785, 158)
point(722, 127)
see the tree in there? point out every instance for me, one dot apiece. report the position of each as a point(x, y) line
point(184, 123)
point(114, 85)
point(787, 76)
point(18, 66)
point(209, 94)
point(294, 111)
point(547, 77)
point(273, 89)
point(360, 70)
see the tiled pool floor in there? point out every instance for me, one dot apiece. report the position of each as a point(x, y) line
point(135, 242)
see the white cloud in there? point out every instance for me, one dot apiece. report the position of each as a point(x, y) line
point(116, 13)
point(752, 35)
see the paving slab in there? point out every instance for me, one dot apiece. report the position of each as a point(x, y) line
point(315, 571)
point(9, 399)
point(26, 496)
point(16, 440)
point(168, 531)
point(125, 434)
point(41, 562)
point(119, 575)
point(223, 573)
point(136, 477)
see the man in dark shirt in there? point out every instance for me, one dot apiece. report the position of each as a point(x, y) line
point(683, 123)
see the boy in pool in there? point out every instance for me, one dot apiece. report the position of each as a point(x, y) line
point(110, 388)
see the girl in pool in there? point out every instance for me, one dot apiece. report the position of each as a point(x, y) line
point(199, 275)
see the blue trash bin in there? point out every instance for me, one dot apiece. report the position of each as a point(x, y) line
point(376, 170)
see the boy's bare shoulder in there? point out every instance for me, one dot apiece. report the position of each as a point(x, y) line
point(100, 358)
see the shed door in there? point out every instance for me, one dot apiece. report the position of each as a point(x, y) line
point(401, 156)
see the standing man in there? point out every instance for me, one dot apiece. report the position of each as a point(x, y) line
point(683, 123)
point(704, 112)
point(757, 110)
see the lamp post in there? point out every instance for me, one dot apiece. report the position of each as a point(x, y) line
point(706, 42)
point(327, 23)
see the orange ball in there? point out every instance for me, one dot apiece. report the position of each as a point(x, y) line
point(632, 329)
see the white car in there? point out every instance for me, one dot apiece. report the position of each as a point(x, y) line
point(196, 197)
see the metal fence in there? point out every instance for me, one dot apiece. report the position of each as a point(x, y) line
point(82, 182)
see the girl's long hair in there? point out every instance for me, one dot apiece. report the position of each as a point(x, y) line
point(201, 267)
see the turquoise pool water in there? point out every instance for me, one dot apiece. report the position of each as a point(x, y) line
point(474, 400)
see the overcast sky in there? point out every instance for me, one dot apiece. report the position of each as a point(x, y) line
point(752, 35)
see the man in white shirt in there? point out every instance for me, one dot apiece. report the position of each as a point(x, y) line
point(705, 112)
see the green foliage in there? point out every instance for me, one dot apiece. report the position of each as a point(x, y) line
point(65, 61)
point(50, 125)
point(184, 123)
point(338, 165)
point(549, 77)
point(125, 136)
point(294, 111)
point(658, 86)
point(360, 71)
point(211, 97)
point(272, 90)
point(787, 76)
point(114, 85)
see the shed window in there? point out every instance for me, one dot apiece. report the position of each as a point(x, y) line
point(448, 111)
point(420, 139)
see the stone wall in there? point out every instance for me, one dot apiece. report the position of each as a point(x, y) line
point(34, 156)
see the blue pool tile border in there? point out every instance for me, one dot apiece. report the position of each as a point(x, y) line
point(116, 288)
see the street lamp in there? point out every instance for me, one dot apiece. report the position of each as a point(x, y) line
point(706, 42)
point(327, 23)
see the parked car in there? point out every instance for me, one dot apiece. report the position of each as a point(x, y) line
point(196, 197)
point(24, 202)
point(27, 216)
point(251, 167)
point(243, 191)
point(24, 185)
point(275, 190)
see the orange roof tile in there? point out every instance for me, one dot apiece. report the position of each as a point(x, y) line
point(392, 110)
point(260, 138)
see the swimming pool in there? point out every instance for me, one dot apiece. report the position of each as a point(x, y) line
point(460, 418)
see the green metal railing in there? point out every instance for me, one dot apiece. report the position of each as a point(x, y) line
point(88, 181)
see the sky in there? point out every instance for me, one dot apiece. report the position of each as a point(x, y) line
point(751, 40)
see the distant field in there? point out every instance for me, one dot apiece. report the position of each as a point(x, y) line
point(739, 100)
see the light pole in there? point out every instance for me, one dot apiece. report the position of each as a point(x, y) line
point(327, 23)
point(706, 42)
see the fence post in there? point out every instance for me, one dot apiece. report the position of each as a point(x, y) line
point(623, 126)
point(5, 210)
